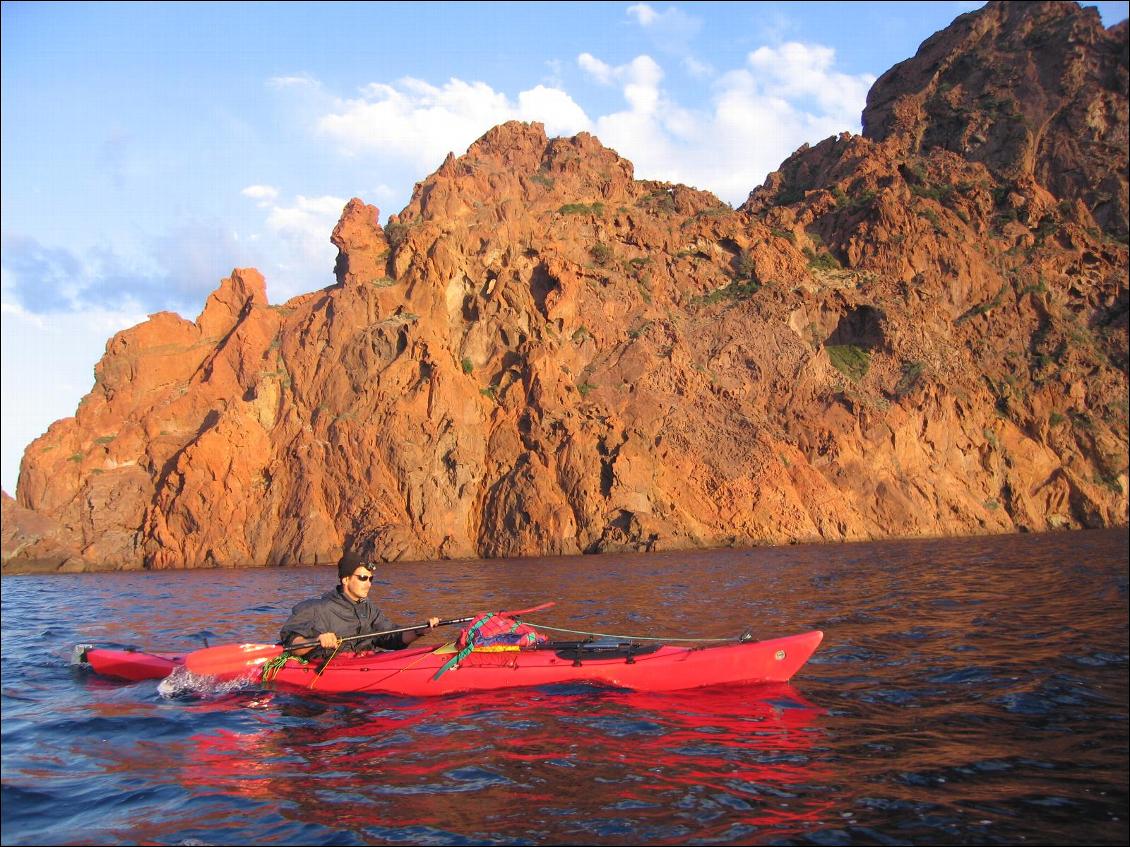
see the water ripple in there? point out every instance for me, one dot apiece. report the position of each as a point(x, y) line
point(968, 691)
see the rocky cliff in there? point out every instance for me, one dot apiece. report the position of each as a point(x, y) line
point(917, 331)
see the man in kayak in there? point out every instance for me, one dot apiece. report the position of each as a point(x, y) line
point(344, 612)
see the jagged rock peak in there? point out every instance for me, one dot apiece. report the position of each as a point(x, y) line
point(225, 306)
point(1032, 90)
point(516, 160)
point(525, 147)
point(514, 144)
point(948, 59)
point(361, 243)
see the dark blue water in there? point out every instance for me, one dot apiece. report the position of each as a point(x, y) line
point(968, 691)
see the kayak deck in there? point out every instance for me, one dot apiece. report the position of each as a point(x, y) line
point(131, 665)
point(412, 672)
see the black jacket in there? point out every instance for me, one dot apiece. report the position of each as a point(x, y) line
point(336, 613)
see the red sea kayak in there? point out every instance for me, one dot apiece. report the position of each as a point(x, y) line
point(413, 672)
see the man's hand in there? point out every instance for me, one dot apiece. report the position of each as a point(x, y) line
point(433, 623)
point(329, 640)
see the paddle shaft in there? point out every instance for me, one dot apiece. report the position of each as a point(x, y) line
point(234, 658)
point(303, 644)
point(451, 622)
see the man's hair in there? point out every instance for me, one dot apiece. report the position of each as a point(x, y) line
point(348, 565)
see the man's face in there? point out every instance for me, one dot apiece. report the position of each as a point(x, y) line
point(357, 585)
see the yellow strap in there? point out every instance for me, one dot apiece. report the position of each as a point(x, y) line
point(326, 663)
point(450, 647)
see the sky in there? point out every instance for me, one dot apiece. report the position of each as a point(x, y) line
point(150, 148)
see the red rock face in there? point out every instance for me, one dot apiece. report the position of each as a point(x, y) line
point(894, 336)
point(34, 542)
point(1035, 91)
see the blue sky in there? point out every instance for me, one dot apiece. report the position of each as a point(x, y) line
point(149, 148)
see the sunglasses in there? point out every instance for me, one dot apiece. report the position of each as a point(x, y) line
point(362, 578)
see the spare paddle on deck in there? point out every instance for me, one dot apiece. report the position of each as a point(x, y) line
point(228, 659)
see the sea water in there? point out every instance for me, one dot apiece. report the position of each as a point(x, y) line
point(968, 691)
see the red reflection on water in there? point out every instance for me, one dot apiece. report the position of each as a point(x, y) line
point(529, 764)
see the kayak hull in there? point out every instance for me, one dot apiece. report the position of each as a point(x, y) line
point(413, 672)
point(131, 665)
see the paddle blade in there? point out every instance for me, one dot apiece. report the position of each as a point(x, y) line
point(538, 608)
point(230, 659)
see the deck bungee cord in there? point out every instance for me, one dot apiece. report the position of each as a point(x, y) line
point(745, 636)
point(271, 667)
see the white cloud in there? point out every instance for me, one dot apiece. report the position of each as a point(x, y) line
point(302, 255)
point(265, 194)
point(639, 79)
point(773, 26)
point(421, 123)
point(296, 81)
point(554, 108)
point(305, 213)
point(748, 120)
point(641, 83)
point(555, 68)
point(756, 117)
point(671, 30)
point(17, 311)
point(697, 69)
point(643, 13)
point(598, 70)
point(796, 71)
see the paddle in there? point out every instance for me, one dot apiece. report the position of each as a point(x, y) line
point(228, 659)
